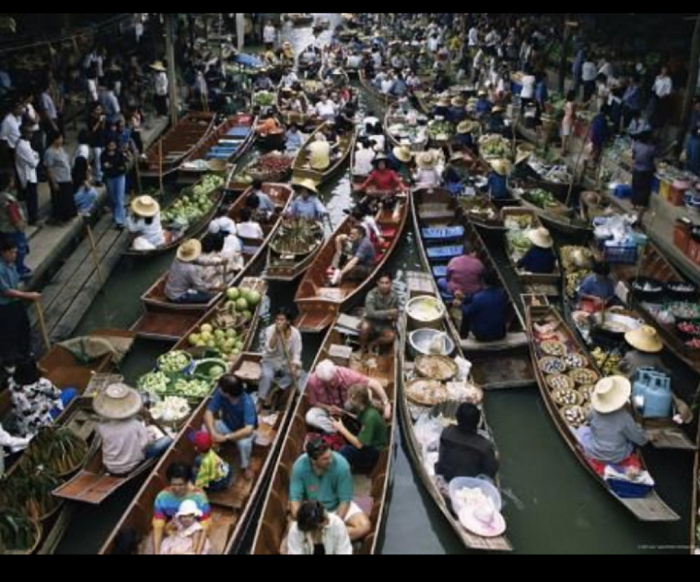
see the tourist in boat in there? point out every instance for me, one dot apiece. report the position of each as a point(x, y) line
point(294, 140)
point(324, 476)
point(358, 255)
point(612, 435)
point(259, 202)
point(427, 175)
point(233, 248)
point(465, 450)
point(497, 185)
point(328, 389)
point(281, 362)
point(126, 441)
point(363, 450)
point(597, 290)
point(365, 215)
point(187, 535)
point(382, 311)
point(36, 401)
point(248, 228)
point(180, 488)
point(268, 126)
point(364, 158)
point(326, 108)
point(214, 273)
point(382, 180)
point(540, 259)
point(319, 153)
point(316, 532)
point(185, 282)
point(145, 223)
point(484, 316)
point(307, 206)
point(464, 274)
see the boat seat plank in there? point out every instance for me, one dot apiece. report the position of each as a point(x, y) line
point(513, 340)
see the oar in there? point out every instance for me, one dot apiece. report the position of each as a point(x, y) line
point(42, 326)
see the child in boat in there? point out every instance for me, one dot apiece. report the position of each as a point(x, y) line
point(213, 473)
point(185, 532)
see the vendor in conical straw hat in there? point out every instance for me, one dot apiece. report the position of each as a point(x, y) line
point(540, 259)
point(611, 434)
point(145, 223)
point(497, 185)
point(185, 282)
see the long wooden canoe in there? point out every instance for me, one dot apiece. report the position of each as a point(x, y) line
point(394, 118)
point(227, 143)
point(320, 305)
point(302, 170)
point(420, 285)
point(165, 321)
point(649, 509)
point(373, 91)
point(443, 231)
point(273, 523)
point(286, 267)
point(166, 155)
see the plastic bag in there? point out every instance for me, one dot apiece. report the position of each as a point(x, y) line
point(464, 369)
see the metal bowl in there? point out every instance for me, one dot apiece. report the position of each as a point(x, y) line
point(422, 339)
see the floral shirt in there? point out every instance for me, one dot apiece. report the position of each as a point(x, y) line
point(32, 406)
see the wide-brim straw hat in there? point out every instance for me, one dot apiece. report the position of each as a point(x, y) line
point(403, 154)
point(541, 238)
point(118, 402)
point(145, 207)
point(466, 127)
point(444, 102)
point(158, 66)
point(189, 251)
point(611, 394)
point(307, 184)
point(645, 339)
point(497, 109)
point(458, 102)
point(426, 160)
point(501, 167)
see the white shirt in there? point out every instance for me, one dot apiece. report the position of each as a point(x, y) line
point(427, 178)
point(433, 44)
point(161, 84)
point(386, 86)
point(529, 83)
point(473, 36)
point(589, 72)
point(26, 161)
point(663, 87)
point(363, 162)
point(379, 142)
point(289, 80)
point(336, 539)
point(152, 233)
point(31, 116)
point(326, 110)
point(82, 151)
point(606, 69)
point(269, 34)
point(250, 230)
point(377, 58)
point(10, 130)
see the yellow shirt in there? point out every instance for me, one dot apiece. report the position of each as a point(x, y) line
point(320, 155)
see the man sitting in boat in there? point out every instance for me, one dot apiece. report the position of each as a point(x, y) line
point(360, 256)
point(185, 284)
point(364, 156)
point(214, 273)
point(318, 533)
point(326, 108)
point(126, 442)
point(382, 310)
point(324, 476)
point(180, 488)
point(597, 291)
point(464, 275)
point(363, 450)
point(289, 79)
point(364, 214)
point(145, 223)
point(268, 126)
point(497, 185)
point(263, 82)
point(260, 202)
point(540, 259)
point(294, 140)
point(612, 435)
point(465, 451)
point(328, 389)
point(485, 315)
point(249, 228)
point(427, 175)
point(383, 181)
point(232, 418)
point(233, 249)
point(306, 205)
point(281, 363)
point(319, 153)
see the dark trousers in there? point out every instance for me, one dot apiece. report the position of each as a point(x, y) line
point(16, 336)
point(63, 203)
point(160, 103)
point(30, 196)
point(362, 460)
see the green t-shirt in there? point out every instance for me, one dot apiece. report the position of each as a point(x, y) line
point(374, 430)
point(332, 488)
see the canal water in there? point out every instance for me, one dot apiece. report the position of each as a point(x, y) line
point(552, 503)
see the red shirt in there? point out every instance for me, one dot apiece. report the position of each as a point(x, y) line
point(384, 181)
point(335, 394)
point(464, 275)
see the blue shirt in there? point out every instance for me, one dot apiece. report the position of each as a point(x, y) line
point(541, 92)
point(294, 141)
point(457, 115)
point(484, 106)
point(332, 488)
point(309, 209)
point(365, 252)
point(266, 204)
point(633, 98)
point(236, 416)
point(487, 315)
point(498, 186)
point(595, 286)
point(538, 261)
point(9, 281)
point(599, 130)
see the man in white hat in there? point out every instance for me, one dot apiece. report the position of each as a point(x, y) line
point(185, 282)
point(126, 442)
point(161, 87)
point(145, 223)
point(612, 435)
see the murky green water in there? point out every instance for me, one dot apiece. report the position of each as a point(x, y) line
point(552, 504)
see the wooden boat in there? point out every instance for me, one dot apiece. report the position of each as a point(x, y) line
point(305, 118)
point(232, 510)
point(272, 525)
point(301, 19)
point(166, 321)
point(418, 140)
point(227, 144)
point(174, 238)
point(165, 156)
point(320, 305)
point(309, 70)
point(373, 91)
point(443, 230)
point(535, 283)
point(286, 267)
point(649, 509)
point(419, 285)
point(301, 169)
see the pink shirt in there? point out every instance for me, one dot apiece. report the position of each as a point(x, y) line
point(337, 393)
point(464, 275)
